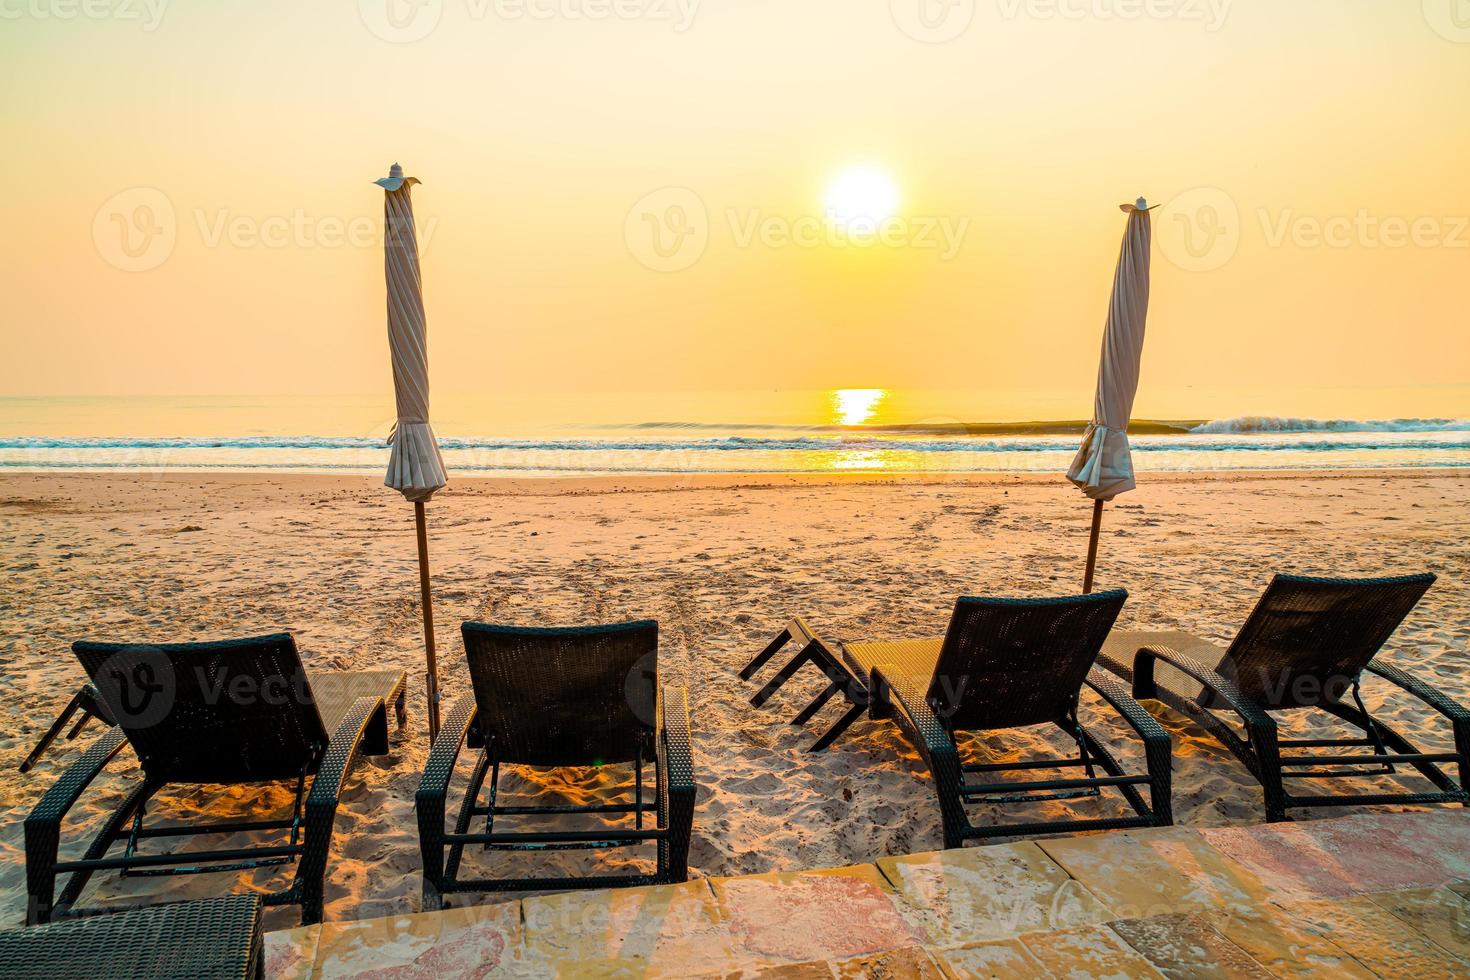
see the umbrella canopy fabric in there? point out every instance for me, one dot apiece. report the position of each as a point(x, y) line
point(1103, 467)
point(415, 467)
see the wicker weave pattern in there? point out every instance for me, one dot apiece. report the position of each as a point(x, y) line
point(215, 939)
point(676, 796)
point(231, 711)
point(564, 696)
point(1308, 639)
point(1009, 662)
point(1003, 662)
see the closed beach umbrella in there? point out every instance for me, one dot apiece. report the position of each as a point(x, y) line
point(1103, 467)
point(415, 468)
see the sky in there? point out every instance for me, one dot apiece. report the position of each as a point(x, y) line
point(633, 196)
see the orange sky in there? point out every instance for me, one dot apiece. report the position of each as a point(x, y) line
point(190, 208)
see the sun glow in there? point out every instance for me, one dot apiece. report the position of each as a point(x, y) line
point(861, 198)
point(856, 406)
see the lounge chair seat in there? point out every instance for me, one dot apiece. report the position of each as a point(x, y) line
point(230, 713)
point(1307, 645)
point(908, 657)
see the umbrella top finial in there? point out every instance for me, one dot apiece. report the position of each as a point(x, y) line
point(395, 179)
point(1141, 204)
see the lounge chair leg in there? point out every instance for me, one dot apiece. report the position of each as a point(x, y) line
point(852, 714)
point(770, 651)
point(782, 676)
point(81, 723)
point(52, 732)
point(816, 705)
point(1262, 742)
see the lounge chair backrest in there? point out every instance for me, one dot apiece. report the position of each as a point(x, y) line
point(572, 696)
point(1010, 662)
point(1309, 638)
point(224, 712)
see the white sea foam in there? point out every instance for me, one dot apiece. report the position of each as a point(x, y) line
point(1273, 423)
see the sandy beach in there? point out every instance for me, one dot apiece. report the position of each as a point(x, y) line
point(720, 562)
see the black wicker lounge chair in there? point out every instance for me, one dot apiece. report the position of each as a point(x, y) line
point(229, 712)
point(213, 939)
point(1307, 644)
point(1011, 663)
point(560, 697)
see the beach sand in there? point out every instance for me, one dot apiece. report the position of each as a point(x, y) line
point(720, 562)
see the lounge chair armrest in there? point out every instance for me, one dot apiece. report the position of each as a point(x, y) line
point(1132, 712)
point(65, 792)
point(43, 824)
point(675, 754)
point(430, 798)
point(341, 752)
point(1425, 692)
point(1144, 686)
point(676, 787)
point(321, 804)
point(909, 696)
point(445, 750)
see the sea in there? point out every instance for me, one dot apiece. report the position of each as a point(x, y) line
point(843, 430)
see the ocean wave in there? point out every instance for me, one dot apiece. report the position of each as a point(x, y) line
point(1253, 442)
point(1271, 424)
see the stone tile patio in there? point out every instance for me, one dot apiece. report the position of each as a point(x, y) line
point(1382, 894)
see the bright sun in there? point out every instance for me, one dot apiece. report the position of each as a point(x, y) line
point(861, 198)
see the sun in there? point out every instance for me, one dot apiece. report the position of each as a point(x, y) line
point(861, 198)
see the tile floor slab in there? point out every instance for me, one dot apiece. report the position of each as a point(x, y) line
point(477, 940)
point(978, 893)
point(1281, 945)
point(1375, 937)
point(1153, 872)
point(1335, 858)
point(794, 917)
point(1184, 945)
point(1006, 958)
point(289, 952)
point(1441, 914)
point(1090, 953)
point(663, 925)
point(907, 963)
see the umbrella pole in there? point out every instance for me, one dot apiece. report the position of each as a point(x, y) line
point(433, 675)
point(1097, 509)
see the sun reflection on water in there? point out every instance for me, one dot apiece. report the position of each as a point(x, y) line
point(856, 406)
